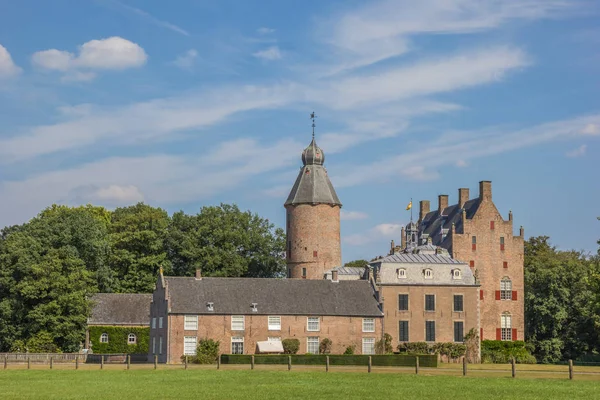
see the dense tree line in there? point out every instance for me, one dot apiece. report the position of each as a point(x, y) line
point(50, 265)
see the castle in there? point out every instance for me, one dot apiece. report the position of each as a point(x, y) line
point(459, 269)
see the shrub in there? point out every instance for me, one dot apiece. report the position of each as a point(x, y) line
point(384, 346)
point(290, 346)
point(350, 349)
point(42, 342)
point(325, 346)
point(207, 352)
point(414, 348)
point(117, 340)
point(501, 352)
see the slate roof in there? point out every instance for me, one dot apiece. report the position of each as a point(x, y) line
point(312, 185)
point(433, 222)
point(273, 296)
point(120, 309)
point(417, 258)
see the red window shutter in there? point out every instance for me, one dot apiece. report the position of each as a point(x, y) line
point(480, 334)
point(472, 264)
point(502, 247)
point(497, 295)
point(505, 264)
point(474, 246)
point(514, 294)
point(498, 334)
point(314, 253)
point(481, 294)
point(514, 334)
point(492, 225)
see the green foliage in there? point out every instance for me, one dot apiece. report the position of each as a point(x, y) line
point(449, 350)
point(42, 342)
point(356, 263)
point(290, 346)
point(350, 349)
point(325, 346)
point(320, 359)
point(117, 340)
point(384, 346)
point(501, 352)
point(561, 302)
point(415, 348)
point(207, 352)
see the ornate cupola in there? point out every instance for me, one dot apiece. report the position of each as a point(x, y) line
point(313, 218)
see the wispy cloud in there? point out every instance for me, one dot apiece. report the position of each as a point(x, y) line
point(265, 30)
point(186, 60)
point(7, 66)
point(352, 215)
point(271, 53)
point(375, 234)
point(591, 129)
point(578, 152)
point(148, 17)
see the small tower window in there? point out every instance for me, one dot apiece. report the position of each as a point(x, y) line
point(456, 274)
point(428, 273)
point(401, 273)
point(304, 272)
point(473, 243)
point(502, 243)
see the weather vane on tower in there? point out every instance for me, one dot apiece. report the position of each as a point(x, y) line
point(313, 116)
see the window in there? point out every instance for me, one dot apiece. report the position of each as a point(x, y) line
point(153, 345)
point(368, 325)
point(368, 345)
point(401, 273)
point(315, 253)
point(237, 345)
point(274, 323)
point(459, 334)
point(505, 289)
point(429, 302)
point(312, 344)
point(456, 274)
point(403, 331)
point(274, 339)
point(428, 274)
point(430, 331)
point(190, 322)
point(403, 302)
point(473, 243)
point(313, 324)
point(237, 323)
point(506, 326)
point(502, 243)
point(472, 264)
point(210, 306)
point(505, 264)
point(131, 339)
point(160, 322)
point(492, 225)
point(154, 323)
point(289, 252)
point(458, 303)
point(189, 345)
point(160, 345)
point(304, 272)
point(104, 338)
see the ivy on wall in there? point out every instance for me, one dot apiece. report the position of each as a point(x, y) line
point(117, 340)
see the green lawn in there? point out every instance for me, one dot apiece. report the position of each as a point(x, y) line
point(268, 384)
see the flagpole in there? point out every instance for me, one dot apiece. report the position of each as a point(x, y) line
point(411, 209)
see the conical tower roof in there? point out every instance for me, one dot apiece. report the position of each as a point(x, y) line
point(312, 185)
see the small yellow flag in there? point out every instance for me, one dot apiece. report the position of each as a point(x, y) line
point(409, 206)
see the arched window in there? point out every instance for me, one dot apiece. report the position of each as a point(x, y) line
point(104, 338)
point(401, 273)
point(131, 339)
point(456, 274)
point(506, 326)
point(506, 289)
point(428, 274)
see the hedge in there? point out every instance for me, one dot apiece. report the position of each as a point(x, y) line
point(501, 352)
point(314, 359)
point(117, 340)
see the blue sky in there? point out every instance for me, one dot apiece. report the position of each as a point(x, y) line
point(188, 103)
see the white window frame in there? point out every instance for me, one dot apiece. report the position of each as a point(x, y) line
point(104, 338)
point(129, 341)
point(368, 345)
point(190, 343)
point(274, 339)
point(506, 327)
point(401, 272)
point(160, 322)
point(238, 322)
point(313, 321)
point(368, 325)
point(428, 273)
point(312, 344)
point(434, 302)
point(506, 289)
point(237, 340)
point(154, 323)
point(274, 323)
point(456, 274)
point(190, 322)
point(454, 303)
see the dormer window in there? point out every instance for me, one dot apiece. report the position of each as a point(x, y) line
point(254, 308)
point(401, 273)
point(428, 273)
point(210, 306)
point(456, 274)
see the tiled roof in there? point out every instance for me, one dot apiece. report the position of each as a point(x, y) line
point(434, 222)
point(120, 309)
point(272, 296)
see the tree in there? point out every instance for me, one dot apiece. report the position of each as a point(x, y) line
point(224, 241)
point(356, 263)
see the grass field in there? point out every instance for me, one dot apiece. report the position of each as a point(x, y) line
point(277, 384)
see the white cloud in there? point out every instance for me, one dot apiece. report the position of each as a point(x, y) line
point(186, 60)
point(271, 53)
point(113, 53)
point(352, 215)
point(591, 129)
point(378, 233)
point(578, 152)
point(7, 67)
point(462, 163)
point(265, 30)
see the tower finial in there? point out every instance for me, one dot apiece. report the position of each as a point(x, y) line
point(313, 116)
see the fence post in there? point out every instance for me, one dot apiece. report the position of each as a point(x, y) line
point(219, 362)
point(51, 359)
point(155, 361)
point(514, 367)
point(464, 366)
point(28, 363)
point(369, 364)
point(289, 363)
point(128, 360)
point(102, 361)
point(570, 369)
point(186, 361)
point(5, 362)
point(252, 362)
point(417, 365)
point(327, 364)
point(76, 362)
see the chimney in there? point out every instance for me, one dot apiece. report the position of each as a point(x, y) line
point(403, 239)
point(522, 232)
point(442, 202)
point(393, 245)
point(510, 215)
point(198, 274)
point(334, 275)
point(485, 190)
point(463, 197)
point(423, 209)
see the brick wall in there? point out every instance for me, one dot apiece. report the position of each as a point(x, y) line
point(313, 240)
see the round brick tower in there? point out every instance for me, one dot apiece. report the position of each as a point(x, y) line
point(313, 220)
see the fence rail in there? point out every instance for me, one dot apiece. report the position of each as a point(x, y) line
point(42, 357)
